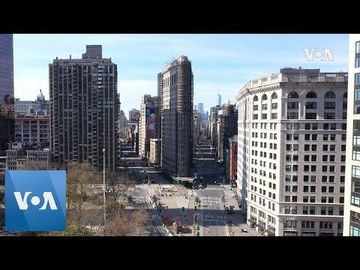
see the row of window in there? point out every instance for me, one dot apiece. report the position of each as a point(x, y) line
point(312, 178)
point(312, 189)
point(263, 125)
point(311, 210)
point(314, 147)
point(312, 199)
point(316, 126)
point(295, 95)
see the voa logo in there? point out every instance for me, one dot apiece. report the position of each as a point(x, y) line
point(35, 200)
point(48, 199)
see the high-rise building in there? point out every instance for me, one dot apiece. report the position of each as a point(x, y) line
point(227, 118)
point(134, 115)
point(84, 109)
point(352, 179)
point(7, 116)
point(200, 108)
point(291, 152)
point(219, 100)
point(175, 93)
point(147, 124)
point(155, 152)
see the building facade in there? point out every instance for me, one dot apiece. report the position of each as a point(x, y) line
point(7, 115)
point(39, 107)
point(352, 179)
point(231, 168)
point(34, 158)
point(291, 152)
point(84, 109)
point(175, 93)
point(147, 124)
point(32, 129)
point(227, 118)
point(155, 152)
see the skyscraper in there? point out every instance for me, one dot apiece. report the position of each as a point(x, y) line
point(7, 115)
point(84, 109)
point(352, 180)
point(219, 100)
point(175, 93)
point(291, 152)
point(147, 124)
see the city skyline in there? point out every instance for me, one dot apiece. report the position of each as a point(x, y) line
point(222, 63)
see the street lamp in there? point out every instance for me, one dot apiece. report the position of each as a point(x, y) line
point(104, 188)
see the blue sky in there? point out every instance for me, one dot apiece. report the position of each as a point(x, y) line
point(222, 63)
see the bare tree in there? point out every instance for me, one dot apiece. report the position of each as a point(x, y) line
point(125, 223)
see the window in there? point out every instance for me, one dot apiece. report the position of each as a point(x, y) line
point(332, 137)
point(307, 158)
point(330, 94)
point(311, 95)
point(310, 115)
point(311, 105)
point(313, 189)
point(264, 106)
point(256, 107)
point(307, 126)
point(255, 98)
point(255, 116)
point(307, 147)
point(306, 178)
point(274, 106)
point(313, 147)
point(264, 116)
point(314, 137)
point(293, 105)
point(274, 116)
point(325, 137)
point(293, 115)
point(264, 97)
point(329, 105)
point(274, 96)
point(328, 115)
point(293, 95)
point(343, 126)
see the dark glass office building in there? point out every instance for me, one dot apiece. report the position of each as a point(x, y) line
point(7, 116)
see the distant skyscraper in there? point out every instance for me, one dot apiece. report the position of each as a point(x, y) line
point(175, 93)
point(84, 109)
point(147, 124)
point(200, 108)
point(7, 116)
point(219, 100)
point(352, 179)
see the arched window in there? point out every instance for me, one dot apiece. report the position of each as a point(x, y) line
point(264, 97)
point(274, 96)
point(255, 98)
point(293, 95)
point(311, 95)
point(345, 95)
point(330, 94)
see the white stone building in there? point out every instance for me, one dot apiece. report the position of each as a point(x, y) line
point(291, 152)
